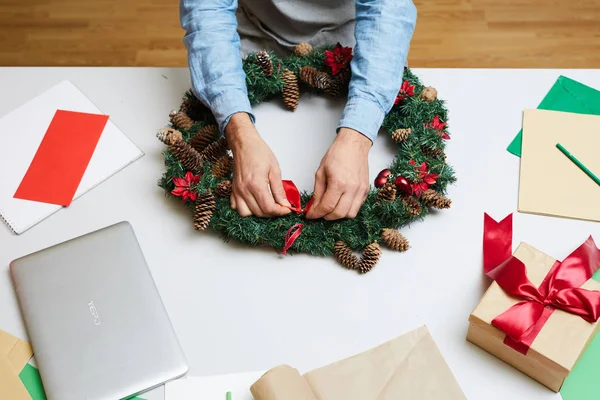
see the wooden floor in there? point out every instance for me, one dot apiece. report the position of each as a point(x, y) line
point(450, 33)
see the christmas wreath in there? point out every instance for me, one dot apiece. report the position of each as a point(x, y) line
point(199, 166)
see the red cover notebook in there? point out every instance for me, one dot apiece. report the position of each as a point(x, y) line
point(62, 158)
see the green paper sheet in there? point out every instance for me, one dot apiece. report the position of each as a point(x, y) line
point(582, 383)
point(33, 383)
point(566, 95)
point(30, 377)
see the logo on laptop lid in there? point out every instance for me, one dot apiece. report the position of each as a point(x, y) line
point(94, 312)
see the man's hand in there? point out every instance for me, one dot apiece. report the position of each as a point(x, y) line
point(342, 180)
point(257, 186)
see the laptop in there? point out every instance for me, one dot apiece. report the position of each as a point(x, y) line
point(94, 316)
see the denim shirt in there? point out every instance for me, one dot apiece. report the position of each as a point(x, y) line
point(383, 31)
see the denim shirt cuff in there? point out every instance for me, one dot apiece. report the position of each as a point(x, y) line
point(228, 103)
point(362, 115)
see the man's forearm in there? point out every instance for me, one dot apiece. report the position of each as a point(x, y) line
point(214, 57)
point(383, 32)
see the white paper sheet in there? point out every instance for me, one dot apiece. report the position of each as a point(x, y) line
point(21, 133)
point(212, 387)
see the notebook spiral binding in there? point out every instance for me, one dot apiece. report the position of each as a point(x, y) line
point(7, 222)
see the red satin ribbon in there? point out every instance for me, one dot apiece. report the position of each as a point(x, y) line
point(559, 290)
point(292, 234)
point(293, 195)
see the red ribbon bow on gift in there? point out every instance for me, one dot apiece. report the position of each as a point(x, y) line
point(559, 290)
point(293, 195)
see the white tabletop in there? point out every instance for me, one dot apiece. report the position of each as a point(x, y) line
point(237, 308)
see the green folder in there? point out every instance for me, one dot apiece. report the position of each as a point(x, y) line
point(566, 95)
point(582, 383)
point(30, 377)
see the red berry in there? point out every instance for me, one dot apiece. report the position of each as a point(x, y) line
point(403, 185)
point(380, 181)
point(384, 173)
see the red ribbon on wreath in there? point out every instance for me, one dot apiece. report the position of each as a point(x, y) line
point(293, 195)
point(559, 290)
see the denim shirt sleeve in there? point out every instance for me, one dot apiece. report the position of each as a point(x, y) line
point(383, 32)
point(214, 57)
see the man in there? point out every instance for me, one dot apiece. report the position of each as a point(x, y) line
point(379, 30)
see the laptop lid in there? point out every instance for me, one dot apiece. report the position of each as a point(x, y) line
point(95, 318)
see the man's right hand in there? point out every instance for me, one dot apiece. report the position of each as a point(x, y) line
point(257, 186)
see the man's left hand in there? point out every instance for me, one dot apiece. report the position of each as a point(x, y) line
point(342, 180)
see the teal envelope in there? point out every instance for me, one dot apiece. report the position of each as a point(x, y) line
point(566, 95)
point(582, 383)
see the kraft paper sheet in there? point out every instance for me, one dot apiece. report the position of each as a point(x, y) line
point(409, 367)
point(17, 351)
point(551, 184)
point(14, 354)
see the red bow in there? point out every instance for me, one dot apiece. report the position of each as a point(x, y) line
point(293, 195)
point(559, 290)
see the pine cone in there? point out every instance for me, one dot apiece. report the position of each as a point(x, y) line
point(180, 120)
point(336, 88)
point(215, 150)
point(315, 78)
point(345, 75)
point(387, 193)
point(264, 62)
point(431, 198)
point(302, 49)
point(203, 211)
point(291, 92)
point(400, 135)
point(223, 189)
point(205, 136)
point(414, 205)
point(394, 239)
point(433, 152)
point(429, 94)
point(338, 84)
point(190, 158)
point(345, 255)
point(169, 136)
point(370, 256)
point(194, 108)
point(222, 167)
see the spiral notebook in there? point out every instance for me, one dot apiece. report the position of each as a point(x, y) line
point(22, 131)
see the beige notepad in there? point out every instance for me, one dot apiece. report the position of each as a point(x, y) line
point(550, 183)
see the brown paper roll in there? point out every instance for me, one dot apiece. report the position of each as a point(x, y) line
point(282, 383)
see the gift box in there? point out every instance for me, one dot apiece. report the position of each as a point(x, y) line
point(539, 314)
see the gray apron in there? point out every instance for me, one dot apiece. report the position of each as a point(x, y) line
point(279, 25)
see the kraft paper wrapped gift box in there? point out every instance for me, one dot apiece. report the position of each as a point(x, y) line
point(559, 344)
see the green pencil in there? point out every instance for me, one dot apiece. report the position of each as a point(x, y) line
point(578, 163)
point(228, 395)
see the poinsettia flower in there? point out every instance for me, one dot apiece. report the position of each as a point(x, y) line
point(406, 90)
point(425, 178)
point(419, 187)
point(338, 59)
point(183, 187)
point(440, 126)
